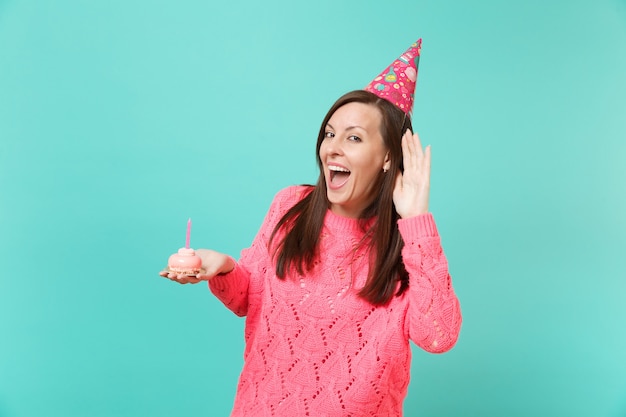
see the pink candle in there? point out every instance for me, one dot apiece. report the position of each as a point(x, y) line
point(188, 233)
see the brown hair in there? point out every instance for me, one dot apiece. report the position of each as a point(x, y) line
point(303, 222)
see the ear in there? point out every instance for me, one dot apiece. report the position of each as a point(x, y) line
point(387, 162)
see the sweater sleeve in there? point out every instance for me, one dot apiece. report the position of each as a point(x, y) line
point(233, 289)
point(433, 320)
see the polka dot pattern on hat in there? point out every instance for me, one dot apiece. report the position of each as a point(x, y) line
point(397, 82)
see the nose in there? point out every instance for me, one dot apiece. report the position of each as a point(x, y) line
point(332, 146)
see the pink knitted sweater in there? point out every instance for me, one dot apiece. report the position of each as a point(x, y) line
point(315, 348)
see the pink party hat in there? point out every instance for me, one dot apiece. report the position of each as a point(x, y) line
point(397, 83)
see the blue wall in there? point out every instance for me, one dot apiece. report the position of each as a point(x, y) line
point(121, 119)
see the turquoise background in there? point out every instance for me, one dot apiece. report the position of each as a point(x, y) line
point(121, 119)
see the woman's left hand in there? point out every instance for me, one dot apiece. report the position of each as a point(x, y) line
point(410, 194)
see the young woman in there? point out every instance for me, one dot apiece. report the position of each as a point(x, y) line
point(341, 275)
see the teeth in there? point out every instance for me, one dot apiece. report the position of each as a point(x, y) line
point(337, 169)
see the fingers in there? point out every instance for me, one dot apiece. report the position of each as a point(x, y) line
point(188, 279)
point(406, 149)
point(411, 145)
point(412, 186)
point(417, 144)
point(427, 153)
point(181, 279)
point(413, 155)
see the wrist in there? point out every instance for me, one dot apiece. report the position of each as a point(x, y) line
point(413, 211)
point(229, 265)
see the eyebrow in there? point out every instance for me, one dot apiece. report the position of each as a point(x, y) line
point(349, 127)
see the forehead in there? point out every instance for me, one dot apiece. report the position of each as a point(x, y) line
point(365, 116)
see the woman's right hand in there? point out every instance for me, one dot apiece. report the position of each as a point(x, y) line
point(213, 263)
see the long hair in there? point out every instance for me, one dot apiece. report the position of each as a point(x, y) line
point(304, 221)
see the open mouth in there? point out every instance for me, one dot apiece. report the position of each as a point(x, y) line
point(338, 175)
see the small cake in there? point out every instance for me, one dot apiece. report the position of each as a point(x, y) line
point(185, 262)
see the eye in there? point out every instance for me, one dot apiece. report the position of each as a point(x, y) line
point(329, 135)
point(354, 138)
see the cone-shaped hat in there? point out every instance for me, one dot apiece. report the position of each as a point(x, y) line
point(397, 82)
